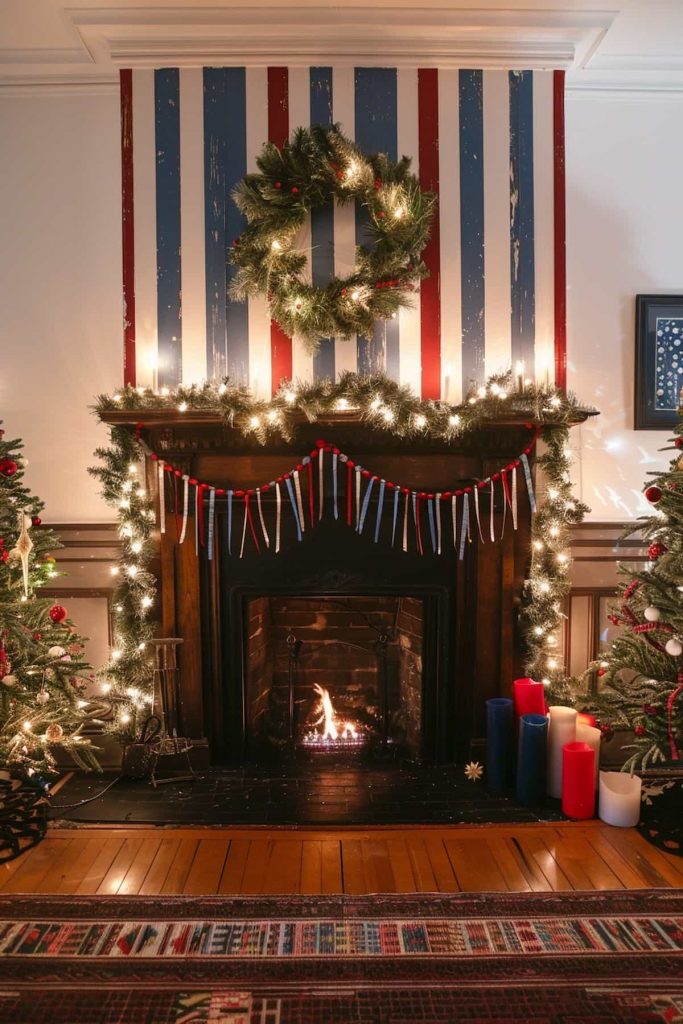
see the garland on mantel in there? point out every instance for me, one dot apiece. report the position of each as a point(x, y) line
point(388, 406)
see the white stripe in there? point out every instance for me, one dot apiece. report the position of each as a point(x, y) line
point(145, 190)
point(343, 100)
point(449, 213)
point(259, 320)
point(408, 143)
point(498, 352)
point(193, 275)
point(300, 116)
point(544, 229)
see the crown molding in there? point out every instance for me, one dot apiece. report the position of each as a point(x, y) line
point(625, 85)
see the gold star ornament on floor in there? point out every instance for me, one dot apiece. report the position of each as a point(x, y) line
point(473, 771)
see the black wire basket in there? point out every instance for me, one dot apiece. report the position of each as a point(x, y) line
point(23, 814)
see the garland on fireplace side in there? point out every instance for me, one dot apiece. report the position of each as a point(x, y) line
point(127, 678)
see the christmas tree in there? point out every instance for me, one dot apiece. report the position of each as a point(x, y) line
point(641, 676)
point(43, 674)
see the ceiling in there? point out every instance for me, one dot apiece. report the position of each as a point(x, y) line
point(620, 46)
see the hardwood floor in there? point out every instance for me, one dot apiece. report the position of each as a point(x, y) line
point(252, 861)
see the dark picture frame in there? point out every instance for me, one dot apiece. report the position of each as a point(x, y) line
point(659, 366)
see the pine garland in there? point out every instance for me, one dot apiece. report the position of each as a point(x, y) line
point(316, 167)
point(387, 406)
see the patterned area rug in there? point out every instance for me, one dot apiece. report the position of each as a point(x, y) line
point(569, 957)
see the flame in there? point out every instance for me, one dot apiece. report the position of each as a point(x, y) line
point(332, 728)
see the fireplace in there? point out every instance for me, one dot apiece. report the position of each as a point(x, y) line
point(339, 645)
point(329, 677)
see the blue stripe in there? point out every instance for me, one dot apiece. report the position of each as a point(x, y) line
point(167, 140)
point(322, 221)
point(472, 225)
point(225, 163)
point(522, 269)
point(377, 132)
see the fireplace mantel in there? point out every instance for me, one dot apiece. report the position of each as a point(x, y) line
point(484, 655)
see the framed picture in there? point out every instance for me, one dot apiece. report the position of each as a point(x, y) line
point(659, 361)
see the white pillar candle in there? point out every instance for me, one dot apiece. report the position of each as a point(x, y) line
point(619, 799)
point(587, 734)
point(561, 730)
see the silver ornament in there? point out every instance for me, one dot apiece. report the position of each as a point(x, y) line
point(652, 614)
point(674, 647)
point(42, 697)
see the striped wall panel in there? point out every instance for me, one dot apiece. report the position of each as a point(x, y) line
point(489, 143)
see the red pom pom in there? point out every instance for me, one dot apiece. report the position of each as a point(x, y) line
point(178, 472)
point(8, 467)
point(365, 473)
point(300, 468)
point(496, 476)
point(320, 444)
point(220, 492)
point(313, 453)
point(266, 487)
point(153, 456)
point(336, 451)
point(328, 448)
point(57, 613)
point(656, 550)
point(653, 494)
point(239, 494)
point(447, 495)
point(36, 521)
point(390, 486)
point(405, 490)
point(193, 481)
point(350, 464)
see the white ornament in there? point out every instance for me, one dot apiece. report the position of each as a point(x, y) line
point(42, 697)
point(9, 681)
point(652, 614)
point(56, 652)
point(674, 647)
point(23, 547)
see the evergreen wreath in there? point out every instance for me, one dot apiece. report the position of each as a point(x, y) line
point(316, 167)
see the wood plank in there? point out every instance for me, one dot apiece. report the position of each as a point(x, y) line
point(353, 870)
point(583, 868)
point(379, 876)
point(423, 871)
point(401, 865)
point(283, 874)
point(99, 867)
point(139, 869)
point(541, 847)
point(629, 875)
point(255, 868)
point(180, 867)
point(659, 868)
point(207, 868)
point(510, 867)
point(311, 868)
point(32, 870)
point(475, 866)
point(233, 869)
point(81, 862)
point(444, 875)
point(160, 866)
point(120, 866)
point(332, 880)
point(527, 865)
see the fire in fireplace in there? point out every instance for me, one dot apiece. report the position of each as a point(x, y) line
point(331, 675)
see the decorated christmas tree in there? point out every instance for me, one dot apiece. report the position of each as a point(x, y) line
point(641, 676)
point(43, 674)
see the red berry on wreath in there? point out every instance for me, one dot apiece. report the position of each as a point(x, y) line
point(37, 636)
point(378, 183)
point(639, 730)
point(294, 190)
point(653, 494)
point(57, 613)
point(656, 550)
point(278, 184)
point(36, 521)
point(8, 467)
point(4, 555)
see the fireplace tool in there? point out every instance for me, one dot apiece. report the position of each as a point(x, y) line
point(168, 698)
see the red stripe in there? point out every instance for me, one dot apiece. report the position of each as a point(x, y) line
point(430, 302)
point(560, 234)
point(278, 130)
point(128, 227)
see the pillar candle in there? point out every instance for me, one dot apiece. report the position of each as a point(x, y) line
point(578, 780)
point(529, 698)
point(620, 799)
point(583, 718)
point(587, 734)
point(561, 730)
point(531, 759)
point(499, 737)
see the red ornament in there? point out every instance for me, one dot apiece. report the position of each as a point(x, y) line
point(655, 551)
point(649, 709)
point(57, 613)
point(341, 175)
point(8, 467)
point(607, 732)
point(4, 555)
point(378, 183)
point(653, 494)
point(278, 184)
point(679, 442)
point(37, 636)
point(639, 730)
point(381, 214)
point(602, 672)
point(294, 190)
point(36, 521)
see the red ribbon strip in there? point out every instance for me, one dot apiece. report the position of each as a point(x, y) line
point(250, 520)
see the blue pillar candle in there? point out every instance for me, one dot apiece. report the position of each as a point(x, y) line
point(532, 757)
point(499, 742)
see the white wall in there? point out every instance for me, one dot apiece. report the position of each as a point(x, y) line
point(60, 291)
point(624, 237)
point(60, 287)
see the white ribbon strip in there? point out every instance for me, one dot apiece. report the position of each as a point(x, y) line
point(437, 509)
point(244, 530)
point(514, 497)
point(493, 501)
point(505, 510)
point(260, 515)
point(476, 511)
point(454, 520)
point(299, 502)
point(186, 502)
point(357, 498)
point(405, 524)
point(162, 497)
point(278, 516)
point(212, 512)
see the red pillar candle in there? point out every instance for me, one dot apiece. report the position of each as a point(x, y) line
point(529, 698)
point(578, 780)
